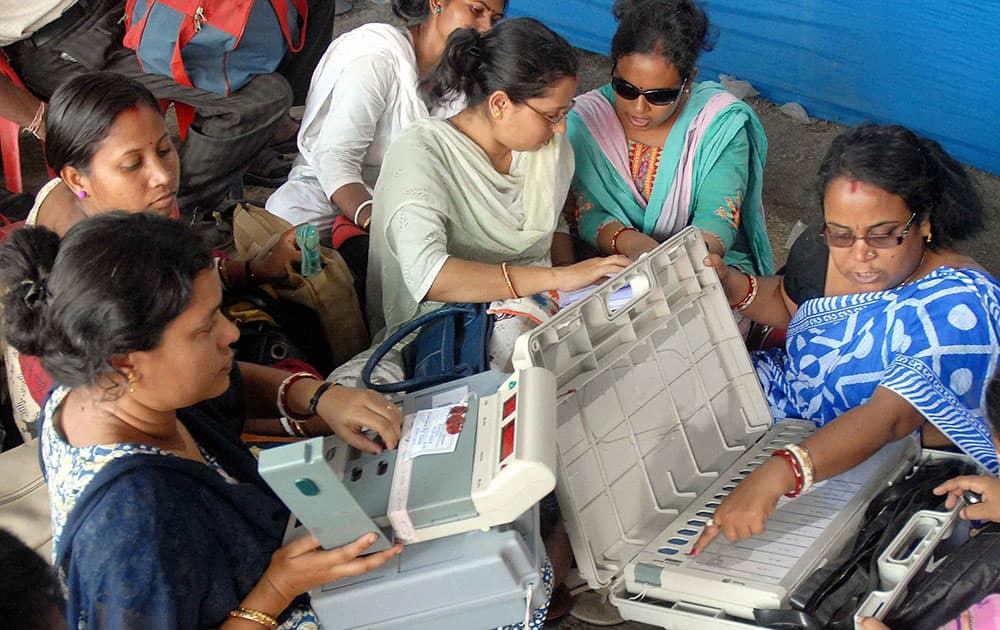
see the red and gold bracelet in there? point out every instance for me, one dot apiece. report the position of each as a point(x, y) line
point(284, 388)
point(749, 297)
point(796, 469)
point(614, 238)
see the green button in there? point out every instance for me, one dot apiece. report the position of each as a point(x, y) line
point(307, 487)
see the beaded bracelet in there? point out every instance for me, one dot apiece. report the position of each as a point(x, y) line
point(506, 277)
point(284, 388)
point(256, 616)
point(749, 297)
point(796, 469)
point(614, 237)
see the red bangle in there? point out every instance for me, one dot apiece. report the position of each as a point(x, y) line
point(749, 297)
point(283, 390)
point(614, 238)
point(794, 463)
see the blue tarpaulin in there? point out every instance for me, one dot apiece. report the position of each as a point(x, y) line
point(926, 64)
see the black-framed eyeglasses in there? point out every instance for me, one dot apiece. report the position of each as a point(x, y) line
point(658, 97)
point(553, 119)
point(876, 241)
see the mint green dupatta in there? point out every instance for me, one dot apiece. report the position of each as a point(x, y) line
point(698, 140)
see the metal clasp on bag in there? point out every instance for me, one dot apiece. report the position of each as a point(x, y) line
point(199, 18)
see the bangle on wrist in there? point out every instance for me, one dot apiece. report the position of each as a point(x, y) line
point(510, 285)
point(314, 401)
point(292, 429)
point(796, 470)
point(35, 126)
point(619, 232)
point(357, 211)
point(282, 401)
point(747, 299)
point(255, 616)
point(801, 454)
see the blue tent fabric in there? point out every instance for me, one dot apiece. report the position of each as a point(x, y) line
point(925, 64)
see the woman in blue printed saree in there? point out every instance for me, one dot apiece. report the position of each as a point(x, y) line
point(159, 517)
point(656, 151)
point(890, 330)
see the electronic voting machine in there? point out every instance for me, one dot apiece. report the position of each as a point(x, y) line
point(473, 454)
point(485, 455)
point(659, 416)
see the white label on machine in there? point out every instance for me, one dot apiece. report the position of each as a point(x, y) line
point(436, 430)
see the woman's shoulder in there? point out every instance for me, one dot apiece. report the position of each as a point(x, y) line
point(376, 36)
point(54, 207)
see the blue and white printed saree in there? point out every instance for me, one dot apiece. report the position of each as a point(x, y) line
point(934, 342)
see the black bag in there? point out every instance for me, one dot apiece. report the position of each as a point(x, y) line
point(966, 576)
point(274, 330)
point(831, 595)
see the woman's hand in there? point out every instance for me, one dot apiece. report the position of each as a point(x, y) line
point(744, 512)
point(588, 272)
point(302, 564)
point(273, 262)
point(871, 623)
point(348, 411)
point(987, 487)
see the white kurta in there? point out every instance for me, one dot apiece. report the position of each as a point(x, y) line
point(364, 91)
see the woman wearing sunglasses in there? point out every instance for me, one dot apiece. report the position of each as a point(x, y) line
point(890, 330)
point(657, 151)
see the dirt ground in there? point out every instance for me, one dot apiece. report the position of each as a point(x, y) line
point(794, 153)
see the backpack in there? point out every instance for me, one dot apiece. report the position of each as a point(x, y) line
point(215, 45)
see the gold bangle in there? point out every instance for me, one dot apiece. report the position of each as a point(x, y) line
point(256, 616)
point(506, 277)
point(367, 223)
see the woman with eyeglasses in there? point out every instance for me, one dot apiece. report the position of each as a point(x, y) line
point(468, 209)
point(657, 151)
point(890, 330)
point(364, 91)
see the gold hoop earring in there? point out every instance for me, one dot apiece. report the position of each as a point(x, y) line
point(131, 381)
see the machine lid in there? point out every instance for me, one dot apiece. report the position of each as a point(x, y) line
point(656, 395)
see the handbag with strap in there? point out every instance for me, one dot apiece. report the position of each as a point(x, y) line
point(453, 342)
point(330, 292)
point(215, 45)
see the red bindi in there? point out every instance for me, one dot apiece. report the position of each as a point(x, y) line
point(854, 185)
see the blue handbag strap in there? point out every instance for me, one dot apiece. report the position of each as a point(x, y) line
point(448, 310)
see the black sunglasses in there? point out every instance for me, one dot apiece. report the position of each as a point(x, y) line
point(660, 96)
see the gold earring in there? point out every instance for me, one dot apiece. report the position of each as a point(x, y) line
point(131, 381)
point(498, 113)
point(928, 238)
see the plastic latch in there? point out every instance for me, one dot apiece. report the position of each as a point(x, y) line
point(647, 574)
